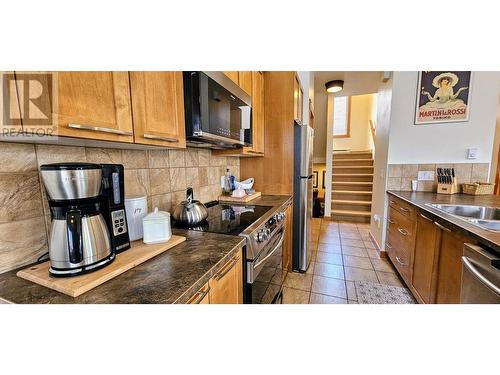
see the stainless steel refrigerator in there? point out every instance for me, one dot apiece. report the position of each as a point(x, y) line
point(302, 197)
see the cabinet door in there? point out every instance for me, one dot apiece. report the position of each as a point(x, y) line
point(202, 296)
point(425, 258)
point(258, 112)
point(158, 108)
point(225, 285)
point(287, 243)
point(449, 272)
point(233, 75)
point(298, 102)
point(94, 105)
point(245, 81)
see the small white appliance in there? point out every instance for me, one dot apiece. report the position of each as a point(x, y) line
point(156, 226)
point(136, 208)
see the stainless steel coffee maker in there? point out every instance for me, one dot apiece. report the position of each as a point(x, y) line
point(79, 239)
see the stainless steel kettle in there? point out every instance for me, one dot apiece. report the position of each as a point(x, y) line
point(190, 211)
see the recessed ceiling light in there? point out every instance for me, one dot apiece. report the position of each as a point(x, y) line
point(334, 86)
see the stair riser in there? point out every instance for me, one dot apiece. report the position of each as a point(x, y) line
point(352, 219)
point(348, 178)
point(352, 197)
point(352, 155)
point(367, 162)
point(340, 186)
point(352, 170)
point(351, 207)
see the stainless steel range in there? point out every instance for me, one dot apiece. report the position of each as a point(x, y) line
point(264, 231)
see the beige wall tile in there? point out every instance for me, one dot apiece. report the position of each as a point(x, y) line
point(176, 158)
point(410, 171)
point(178, 179)
point(406, 183)
point(203, 176)
point(219, 161)
point(192, 178)
point(159, 181)
point(395, 170)
point(177, 197)
point(480, 172)
point(158, 158)
point(463, 171)
point(192, 158)
point(204, 157)
point(394, 183)
point(103, 155)
point(162, 201)
point(214, 174)
point(426, 186)
point(137, 182)
point(20, 196)
point(17, 248)
point(47, 154)
point(17, 157)
point(427, 168)
point(135, 159)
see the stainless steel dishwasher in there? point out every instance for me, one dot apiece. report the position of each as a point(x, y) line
point(480, 275)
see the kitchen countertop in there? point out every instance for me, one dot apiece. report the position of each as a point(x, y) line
point(171, 277)
point(420, 199)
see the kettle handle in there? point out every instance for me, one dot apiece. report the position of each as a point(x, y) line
point(189, 194)
point(74, 235)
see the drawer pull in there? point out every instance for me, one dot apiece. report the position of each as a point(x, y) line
point(100, 129)
point(400, 262)
point(391, 221)
point(223, 272)
point(441, 227)
point(201, 294)
point(161, 138)
point(404, 209)
point(388, 245)
point(425, 217)
point(404, 232)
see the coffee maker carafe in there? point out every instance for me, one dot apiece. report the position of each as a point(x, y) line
point(80, 240)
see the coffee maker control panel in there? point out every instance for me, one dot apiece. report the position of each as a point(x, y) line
point(119, 224)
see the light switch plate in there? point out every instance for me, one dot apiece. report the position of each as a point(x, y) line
point(472, 153)
point(426, 175)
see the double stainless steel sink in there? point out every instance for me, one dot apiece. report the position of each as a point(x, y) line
point(487, 218)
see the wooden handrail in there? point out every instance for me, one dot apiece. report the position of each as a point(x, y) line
point(373, 130)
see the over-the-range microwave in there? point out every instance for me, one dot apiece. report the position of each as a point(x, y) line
point(218, 112)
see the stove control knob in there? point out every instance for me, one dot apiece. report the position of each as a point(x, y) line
point(261, 236)
point(268, 232)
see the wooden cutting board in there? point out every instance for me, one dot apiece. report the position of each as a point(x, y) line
point(245, 199)
point(74, 286)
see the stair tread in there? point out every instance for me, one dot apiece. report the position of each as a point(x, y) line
point(353, 174)
point(350, 201)
point(352, 160)
point(353, 152)
point(352, 183)
point(351, 213)
point(352, 166)
point(352, 192)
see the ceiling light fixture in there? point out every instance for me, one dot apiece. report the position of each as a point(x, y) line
point(334, 86)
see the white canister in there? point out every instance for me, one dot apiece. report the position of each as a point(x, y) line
point(136, 208)
point(156, 227)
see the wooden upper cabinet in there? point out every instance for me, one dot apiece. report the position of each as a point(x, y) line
point(233, 75)
point(258, 112)
point(425, 258)
point(94, 105)
point(245, 81)
point(298, 101)
point(158, 108)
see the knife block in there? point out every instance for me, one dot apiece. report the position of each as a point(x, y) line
point(448, 188)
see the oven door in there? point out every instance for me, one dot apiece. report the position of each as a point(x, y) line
point(265, 275)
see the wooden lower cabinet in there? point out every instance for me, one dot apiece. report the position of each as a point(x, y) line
point(202, 297)
point(288, 241)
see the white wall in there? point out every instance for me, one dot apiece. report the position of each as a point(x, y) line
point(442, 143)
point(307, 81)
point(384, 99)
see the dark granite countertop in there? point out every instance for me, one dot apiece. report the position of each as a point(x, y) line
point(420, 200)
point(171, 277)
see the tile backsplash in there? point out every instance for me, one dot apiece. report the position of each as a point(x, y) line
point(161, 175)
point(400, 176)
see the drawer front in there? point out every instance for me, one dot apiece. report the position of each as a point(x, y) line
point(399, 254)
point(402, 228)
point(202, 296)
point(402, 207)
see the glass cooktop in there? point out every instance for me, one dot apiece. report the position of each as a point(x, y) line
point(228, 218)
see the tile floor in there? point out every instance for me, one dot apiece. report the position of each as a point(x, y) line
point(342, 253)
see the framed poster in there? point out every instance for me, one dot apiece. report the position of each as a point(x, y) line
point(443, 97)
point(315, 179)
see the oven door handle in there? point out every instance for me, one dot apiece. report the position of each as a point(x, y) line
point(272, 252)
point(470, 267)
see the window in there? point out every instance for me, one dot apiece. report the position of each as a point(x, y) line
point(341, 116)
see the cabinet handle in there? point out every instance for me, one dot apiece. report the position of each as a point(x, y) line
point(441, 227)
point(404, 209)
point(391, 221)
point(404, 232)
point(400, 262)
point(388, 245)
point(201, 294)
point(100, 129)
point(425, 217)
point(224, 271)
point(160, 138)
